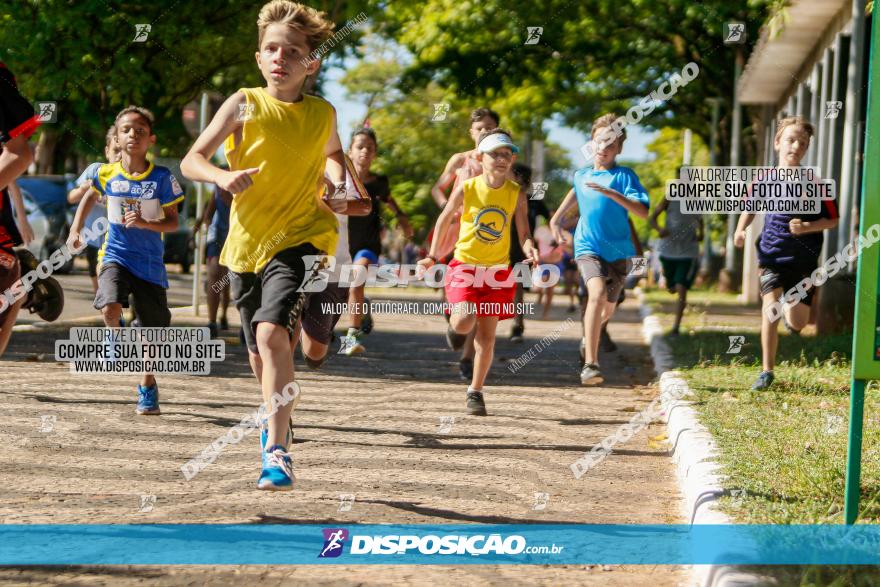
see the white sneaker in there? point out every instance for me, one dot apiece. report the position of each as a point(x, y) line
point(350, 344)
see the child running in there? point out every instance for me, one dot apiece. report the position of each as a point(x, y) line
point(486, 203)
point(461, 167)
point(142, 201)
point(679, 251)
point(17, 123)
point(278, 142)
point(788, 250)
point(216, 214)
point(365, 232)
point(605, 194)
point(75, 196)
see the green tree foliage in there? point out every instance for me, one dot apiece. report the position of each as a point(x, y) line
point(593, 56)
point(413, 148)
point(82, 55)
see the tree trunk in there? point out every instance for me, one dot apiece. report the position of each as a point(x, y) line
point(45, 154)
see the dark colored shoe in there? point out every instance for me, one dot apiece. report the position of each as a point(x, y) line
point(466, 369)
point(571, 309)
point(605, 343)
point(764, 380)
point(475, 404)
point(590, 375)
point(367, 322)
point(212, 327)
point(455, 340)
point(516, 334)
point(224, 323)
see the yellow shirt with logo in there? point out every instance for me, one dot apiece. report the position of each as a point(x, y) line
point(486, 222)
point(282, 208)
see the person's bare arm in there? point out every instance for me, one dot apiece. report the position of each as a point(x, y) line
point(402, 218)
point(24, 225)
point(86, 202)
point(799, 227)
point(14, 160)
point(438, 190)
point(456, 200)
point(632, 206)
point(562, 212)
point(521, 218)
point(207, 215)
point(739, 237)
point(197, 166)
point(655, 213)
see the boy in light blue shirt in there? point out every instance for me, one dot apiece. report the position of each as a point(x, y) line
point(605, 194)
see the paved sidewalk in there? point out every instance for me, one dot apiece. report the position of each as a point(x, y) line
point(368, 426)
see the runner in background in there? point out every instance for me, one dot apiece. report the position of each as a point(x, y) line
point(99, 210)
point(459, 168)
point(679, 251)
point(522, 174)
point(489, 205)
point(216, 214)
point(364, 232)
point(17, 123)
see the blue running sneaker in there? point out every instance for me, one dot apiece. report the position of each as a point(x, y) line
point(277, 474)
point(264, 433)
point(148, 401)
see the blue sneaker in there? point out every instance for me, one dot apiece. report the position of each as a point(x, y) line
point(264, 434)
point(148, 401)
point(277, 474)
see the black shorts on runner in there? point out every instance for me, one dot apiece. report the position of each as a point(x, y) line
point(115, 283)
point(786, 277)
point(614, 273)
point(318, 320)
point(270, 295)
point(679, 271)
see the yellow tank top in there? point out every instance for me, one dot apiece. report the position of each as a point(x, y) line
point(486, 222)
point(282, 208)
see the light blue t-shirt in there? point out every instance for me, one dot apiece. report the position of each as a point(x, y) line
point(603, 228)
point(98, 209)
point(139, 250)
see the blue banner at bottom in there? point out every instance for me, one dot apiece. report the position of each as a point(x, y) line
point(452, 544)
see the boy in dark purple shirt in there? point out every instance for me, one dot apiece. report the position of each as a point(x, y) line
point(788, 250)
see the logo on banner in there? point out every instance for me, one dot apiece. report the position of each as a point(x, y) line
point(334, 539)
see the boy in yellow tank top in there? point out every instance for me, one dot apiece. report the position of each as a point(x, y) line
point(278, 142)
point(478, 280)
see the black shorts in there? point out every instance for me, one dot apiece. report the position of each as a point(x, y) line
point(270, 295)
point(92, 258)
point(115, 283)
point(679, 271)
point(318, 320)
point(786, 277)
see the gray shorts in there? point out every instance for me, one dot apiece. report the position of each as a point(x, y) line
point(613, 272)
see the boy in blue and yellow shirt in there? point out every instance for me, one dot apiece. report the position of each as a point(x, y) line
point(142, 202)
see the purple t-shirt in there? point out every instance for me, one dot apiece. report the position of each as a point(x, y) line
point(777, 246)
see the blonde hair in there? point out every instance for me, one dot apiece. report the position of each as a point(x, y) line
point(798, 121)
point(606, 121)
point(303, 19)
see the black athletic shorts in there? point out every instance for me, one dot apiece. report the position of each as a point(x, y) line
point(270, 295)
point(786, 277)
point(318, 319)
point(115, 283)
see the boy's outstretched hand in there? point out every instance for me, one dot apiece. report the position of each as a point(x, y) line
point(798, 227)
point(236, 182)
point(739, 238)
point(422, 267)
point(531, 252)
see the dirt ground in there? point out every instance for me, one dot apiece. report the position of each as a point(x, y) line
point(372, 426)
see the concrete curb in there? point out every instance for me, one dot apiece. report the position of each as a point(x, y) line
point(693, 453)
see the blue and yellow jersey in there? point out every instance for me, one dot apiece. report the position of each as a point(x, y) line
point(137, 249)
